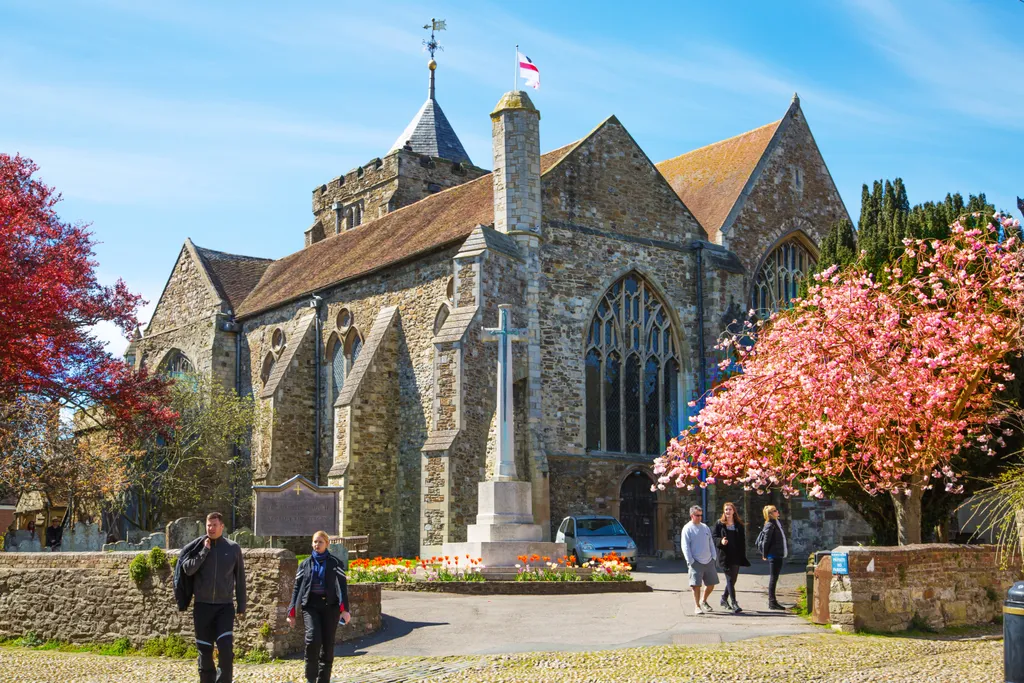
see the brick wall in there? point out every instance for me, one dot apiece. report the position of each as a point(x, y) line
point(943, 585)
point(89, 598)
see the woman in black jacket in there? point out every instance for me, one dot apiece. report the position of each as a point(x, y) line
point(731, 540)
point(774, 550)
point(321, 592)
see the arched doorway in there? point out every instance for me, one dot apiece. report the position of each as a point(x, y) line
point(638, 510)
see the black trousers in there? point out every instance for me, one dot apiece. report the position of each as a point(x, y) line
point(775, 565)
point(214, 624)
point(321, 620)
point(731, 572)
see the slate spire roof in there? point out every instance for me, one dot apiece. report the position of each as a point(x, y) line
point(429, 131)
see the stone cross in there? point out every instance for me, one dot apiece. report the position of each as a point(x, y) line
point(505, 465)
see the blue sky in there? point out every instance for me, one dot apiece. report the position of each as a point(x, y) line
point(215, 120)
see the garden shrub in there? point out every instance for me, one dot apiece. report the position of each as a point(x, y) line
point(119, 648)
point(139, 568)
point(158, 560)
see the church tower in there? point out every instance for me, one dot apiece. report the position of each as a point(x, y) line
point(426, 158)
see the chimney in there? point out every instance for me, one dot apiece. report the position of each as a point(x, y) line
point(515, 136)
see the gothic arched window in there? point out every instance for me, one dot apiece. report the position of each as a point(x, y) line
point(336, 365)
point(353, 345)
point(176, 365)
point(632, 371)
point(777, 281)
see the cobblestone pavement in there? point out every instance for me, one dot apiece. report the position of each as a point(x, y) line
point(820, 657)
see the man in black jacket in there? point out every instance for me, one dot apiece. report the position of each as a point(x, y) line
point(218, 577)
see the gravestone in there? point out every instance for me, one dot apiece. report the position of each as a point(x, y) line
point(22, 541)
point(156, 539)
point(182, 530)
point(297, 507)
point(247, 539)
point(83, 538)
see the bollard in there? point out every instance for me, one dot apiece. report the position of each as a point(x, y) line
point(809, 592)
point(1013, 634)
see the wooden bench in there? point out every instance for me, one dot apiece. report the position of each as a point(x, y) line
point(357, 546)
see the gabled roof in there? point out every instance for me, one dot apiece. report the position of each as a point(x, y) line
point(233, 275)
point(435, 222)
point(430, 133)
point(710, 180)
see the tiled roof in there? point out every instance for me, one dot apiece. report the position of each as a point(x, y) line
point(233, 275)
point(432, 223)
point(709, 180)
point(430, 133)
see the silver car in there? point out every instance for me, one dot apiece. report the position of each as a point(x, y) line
point(590, 536)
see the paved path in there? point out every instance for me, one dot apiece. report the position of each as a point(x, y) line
point(438, 624)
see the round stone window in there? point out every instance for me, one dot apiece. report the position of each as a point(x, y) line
point(344, 320)
point(277, 340)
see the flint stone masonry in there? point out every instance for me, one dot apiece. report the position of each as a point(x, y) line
point(89, 598)
point(943, 585)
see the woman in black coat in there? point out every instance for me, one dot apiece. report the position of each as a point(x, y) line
point(774, 550)
point(321, 592)
point(731, 542)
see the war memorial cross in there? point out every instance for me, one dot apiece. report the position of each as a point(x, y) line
point(505, 464)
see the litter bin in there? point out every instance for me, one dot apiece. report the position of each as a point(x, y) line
point(1013, 634)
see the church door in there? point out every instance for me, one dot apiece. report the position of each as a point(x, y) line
point(637, 511)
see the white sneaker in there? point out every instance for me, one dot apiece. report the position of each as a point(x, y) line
point(697, 611)
point(707, 607)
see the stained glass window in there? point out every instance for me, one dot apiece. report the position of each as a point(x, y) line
point(778, 280)
point(631, 371)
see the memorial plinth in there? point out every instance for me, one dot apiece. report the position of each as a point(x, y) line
point(504, 527)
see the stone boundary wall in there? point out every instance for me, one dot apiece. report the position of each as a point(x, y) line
point(939, 584)
point(89, 598)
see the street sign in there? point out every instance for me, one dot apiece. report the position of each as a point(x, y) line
point(840, 564)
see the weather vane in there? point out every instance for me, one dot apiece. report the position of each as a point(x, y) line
point(432, 45)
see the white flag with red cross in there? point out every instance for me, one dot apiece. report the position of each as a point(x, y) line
point(528, 71)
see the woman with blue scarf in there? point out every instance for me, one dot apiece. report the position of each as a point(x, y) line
point(321, 591)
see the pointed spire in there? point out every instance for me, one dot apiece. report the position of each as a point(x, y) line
point(796, 99)
point(429, 131)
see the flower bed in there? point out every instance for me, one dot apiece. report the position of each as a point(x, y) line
point(610, 567)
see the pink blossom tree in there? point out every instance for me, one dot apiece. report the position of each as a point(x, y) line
point(884, 381)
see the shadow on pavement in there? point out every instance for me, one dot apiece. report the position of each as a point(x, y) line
point(392, 628)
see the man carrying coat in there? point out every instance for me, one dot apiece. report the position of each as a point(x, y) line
point(215, 565)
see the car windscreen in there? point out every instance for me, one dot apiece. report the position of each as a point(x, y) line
point(599, 527)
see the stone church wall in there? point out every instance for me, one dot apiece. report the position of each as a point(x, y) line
point(383, 185)
point(608, 212)
point(779, 204)
point(418, 289)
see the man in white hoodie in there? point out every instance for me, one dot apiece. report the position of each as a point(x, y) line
point(699, 550)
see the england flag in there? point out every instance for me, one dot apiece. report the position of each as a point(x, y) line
point(528, 71)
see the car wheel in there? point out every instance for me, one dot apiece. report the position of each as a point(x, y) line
point(632, 566)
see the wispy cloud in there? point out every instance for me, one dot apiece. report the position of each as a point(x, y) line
point(955, 54)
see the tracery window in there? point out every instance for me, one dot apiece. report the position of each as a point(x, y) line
point(176, 365)
point(632, 372)
point(342, 352)
point(777, 281)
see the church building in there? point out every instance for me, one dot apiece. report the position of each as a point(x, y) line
point(365, 348)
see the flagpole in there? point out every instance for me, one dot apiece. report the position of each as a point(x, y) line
point(515, 72)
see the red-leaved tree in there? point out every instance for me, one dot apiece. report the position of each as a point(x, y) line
point(885, 382)
point(49, 302)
